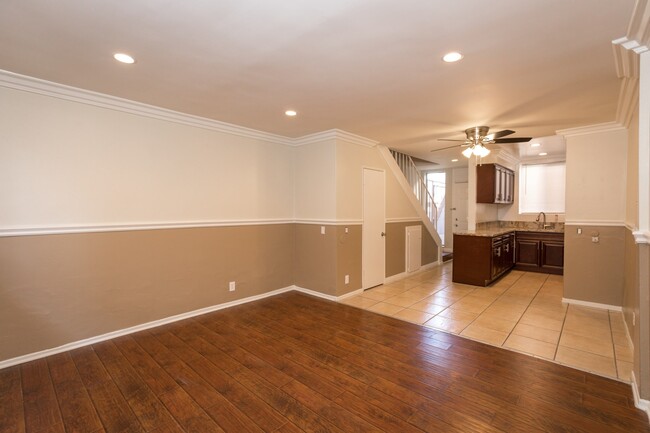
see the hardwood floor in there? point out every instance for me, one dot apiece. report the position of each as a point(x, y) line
point(295, 363)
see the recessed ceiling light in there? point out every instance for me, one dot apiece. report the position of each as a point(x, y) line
point(543, 154)
point(290, 113)
point(452, 57)
point(124, 58)
point(454, 160)
point(535, 144)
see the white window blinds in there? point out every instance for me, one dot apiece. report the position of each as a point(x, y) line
point(541, 187)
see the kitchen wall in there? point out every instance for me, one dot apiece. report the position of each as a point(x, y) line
point(596, 166)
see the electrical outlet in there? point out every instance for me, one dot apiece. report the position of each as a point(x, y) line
point(579, 231)
point(347, 230)
point(231, 286)
point(322, 230)
point(347, 279)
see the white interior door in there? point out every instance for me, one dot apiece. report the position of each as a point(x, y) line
point(373, 247)
point(459, 208)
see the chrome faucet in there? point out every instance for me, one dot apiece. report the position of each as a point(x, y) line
point(543, 225)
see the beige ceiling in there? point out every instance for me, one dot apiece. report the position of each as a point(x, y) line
point(370, 67)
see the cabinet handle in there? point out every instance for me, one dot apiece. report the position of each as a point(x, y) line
point(498, 251)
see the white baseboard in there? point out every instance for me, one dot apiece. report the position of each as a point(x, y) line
point(350, 294)
point(403, 275)
point(114, 334)
point(315, 293)
point(592, 304)
point(640, 403)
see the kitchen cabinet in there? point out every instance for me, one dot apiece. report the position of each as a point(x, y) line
point(494, 184)
point(480, 260)
point(540, 252)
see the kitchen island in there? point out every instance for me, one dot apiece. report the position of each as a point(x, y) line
point(484, 255)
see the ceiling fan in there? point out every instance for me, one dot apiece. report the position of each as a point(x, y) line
point(478, 137)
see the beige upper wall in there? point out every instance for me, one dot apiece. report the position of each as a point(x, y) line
point(350, 162)
point(315, 186)
point(596, 177)
point(66, 163)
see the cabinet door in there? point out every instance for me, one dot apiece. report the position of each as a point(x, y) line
point(508, 251)
point(527, 252)
point(552, 256)
point(498, 182)
point(510, 190)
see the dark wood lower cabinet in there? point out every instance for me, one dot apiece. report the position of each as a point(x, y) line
point(480, 260)
point(540, 252)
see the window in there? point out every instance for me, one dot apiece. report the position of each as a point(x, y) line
point(541, 187)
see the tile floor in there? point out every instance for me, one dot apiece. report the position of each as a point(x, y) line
point(523, 312)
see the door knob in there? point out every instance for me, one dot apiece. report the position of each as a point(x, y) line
point(383, 234)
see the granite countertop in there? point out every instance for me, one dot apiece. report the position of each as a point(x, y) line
point(498, 231)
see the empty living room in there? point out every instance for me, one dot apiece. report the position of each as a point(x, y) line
point(222, 216)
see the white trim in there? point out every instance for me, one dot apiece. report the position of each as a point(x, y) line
point(639, 403)
point(403, 220)
point(25, 83)
point(114, 334)
point(141, 327)
point(641, 237)
point(405, 274)
point(333, 134)
point(608, 223)
point(326, 296)
point(12, 80)
point(35, 231)
point(315, 293)
point(590, 129)
point(331, 222)
point(350, 294)
point(592, 304)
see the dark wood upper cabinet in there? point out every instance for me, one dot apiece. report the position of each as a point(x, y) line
point(494, 184)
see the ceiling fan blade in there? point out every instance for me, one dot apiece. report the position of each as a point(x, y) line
point(500, 134)
point(513, 140)
point(449, 147)
point(449, 139)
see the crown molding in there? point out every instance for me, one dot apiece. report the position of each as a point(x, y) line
point(628, 98)
point(590, 129)
point(506, 157)
point(334, 134)
point(638, 30)
point(25, 83)
point(47, 88)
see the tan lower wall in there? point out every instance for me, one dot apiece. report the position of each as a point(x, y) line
point(594, 272)
point(57, 289)
point(396, 247)
point(348, 258)
point(316, 258)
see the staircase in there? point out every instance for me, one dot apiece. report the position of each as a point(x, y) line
point(419, 186)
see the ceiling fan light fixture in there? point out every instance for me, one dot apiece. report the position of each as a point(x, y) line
point(467, 152)
point(452, 57)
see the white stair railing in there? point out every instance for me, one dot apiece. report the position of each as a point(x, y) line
point(414, 178)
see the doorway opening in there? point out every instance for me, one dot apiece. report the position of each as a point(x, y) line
point(436, 184)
